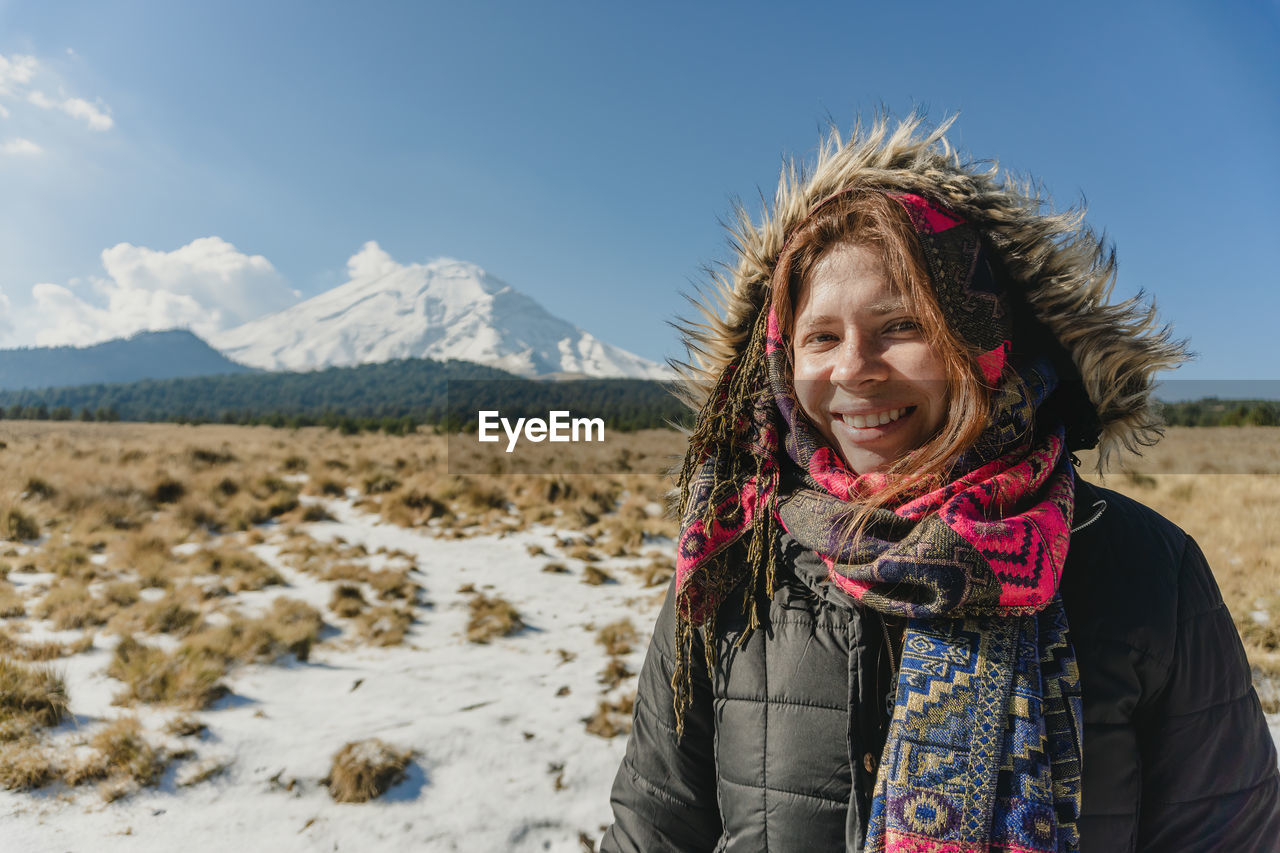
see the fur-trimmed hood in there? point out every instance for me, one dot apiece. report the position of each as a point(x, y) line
point(1057, 265)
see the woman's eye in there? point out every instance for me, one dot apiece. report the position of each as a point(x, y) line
point(903, 326)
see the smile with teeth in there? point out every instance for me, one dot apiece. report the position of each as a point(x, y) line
point(875, 419)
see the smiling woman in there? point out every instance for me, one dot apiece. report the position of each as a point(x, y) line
point(901, 621)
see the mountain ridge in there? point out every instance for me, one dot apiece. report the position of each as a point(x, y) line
point(168, 354)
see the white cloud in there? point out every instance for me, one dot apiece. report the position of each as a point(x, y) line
point(77, 108)
point(370, 262)
point(92, 114)
point(17, 76)
point(19, 147)
point(17, 70)
point(206, 286)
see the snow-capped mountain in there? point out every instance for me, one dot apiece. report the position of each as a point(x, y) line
point(442, 309)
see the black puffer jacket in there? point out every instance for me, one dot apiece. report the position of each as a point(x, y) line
point(780, 746)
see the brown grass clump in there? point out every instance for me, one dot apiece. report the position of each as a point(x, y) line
point(365, 769)
point(611, 718)
point(16, 524)
point(384, 626)
point(149, 557)
point(595, 576)
point(44, 651)
point(29, 697)
point(392, 585)
point(289, 627)
point(615, 672)
point(295, 625)
point(121, 593)
point(238, 570)
point(206, 457)
point(127, 751)
point(38, 488)
point(202, 771)
point(70, 605)
point(121, 757)
point(26, 765)
point(11, 604)
point(618, 638)
point(165, 616)
point(347, 600)
point(294, 463)
point(66, 562)
point(188, 677)
point(490, 618)
point(167, 490)
point(185, 725)
point(582, 552)
point(315, 512)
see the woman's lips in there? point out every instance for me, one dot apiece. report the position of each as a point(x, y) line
point(874, 420)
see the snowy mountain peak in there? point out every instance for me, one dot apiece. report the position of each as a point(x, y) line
point(441, 309)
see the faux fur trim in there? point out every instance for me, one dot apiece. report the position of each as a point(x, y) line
point(1065, 272)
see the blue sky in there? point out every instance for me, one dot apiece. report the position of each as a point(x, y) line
point(209, 162)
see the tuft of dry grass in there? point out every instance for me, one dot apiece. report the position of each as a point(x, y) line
point(165, 616)
point(611, 718)
point(238, 570)
point(30, 697)
point(491, 617)
point(595, 576)
point(295, 626)
point(365, 769)
point(11, 604)
point(615, 672)
point(618, 638)
point(347, 600)
point(187, 677)
point(202, 771)
point(71, 605)
point(289, 627)
point(383, 625)
point(315, 512)
point(16, 524)
point(122, 759)
point(26, 765)
point(42, 651)
point(185, 725)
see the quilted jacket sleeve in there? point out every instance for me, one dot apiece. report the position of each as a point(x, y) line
point(664, 796)
point(1209, 778)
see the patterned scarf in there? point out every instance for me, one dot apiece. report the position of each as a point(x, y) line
point(983, 748)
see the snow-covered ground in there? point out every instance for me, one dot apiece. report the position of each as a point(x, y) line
point(503, 760)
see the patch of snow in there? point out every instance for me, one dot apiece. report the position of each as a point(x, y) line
point(502, 758)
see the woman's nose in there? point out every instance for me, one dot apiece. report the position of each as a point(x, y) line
point(859, 359)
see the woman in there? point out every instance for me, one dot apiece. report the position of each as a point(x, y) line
point(900, 621)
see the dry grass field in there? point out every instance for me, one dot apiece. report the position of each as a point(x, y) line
point(140, 538)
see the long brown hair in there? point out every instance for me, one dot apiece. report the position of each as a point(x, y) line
point(878, 222)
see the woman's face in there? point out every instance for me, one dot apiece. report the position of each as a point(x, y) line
point(864, 374)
